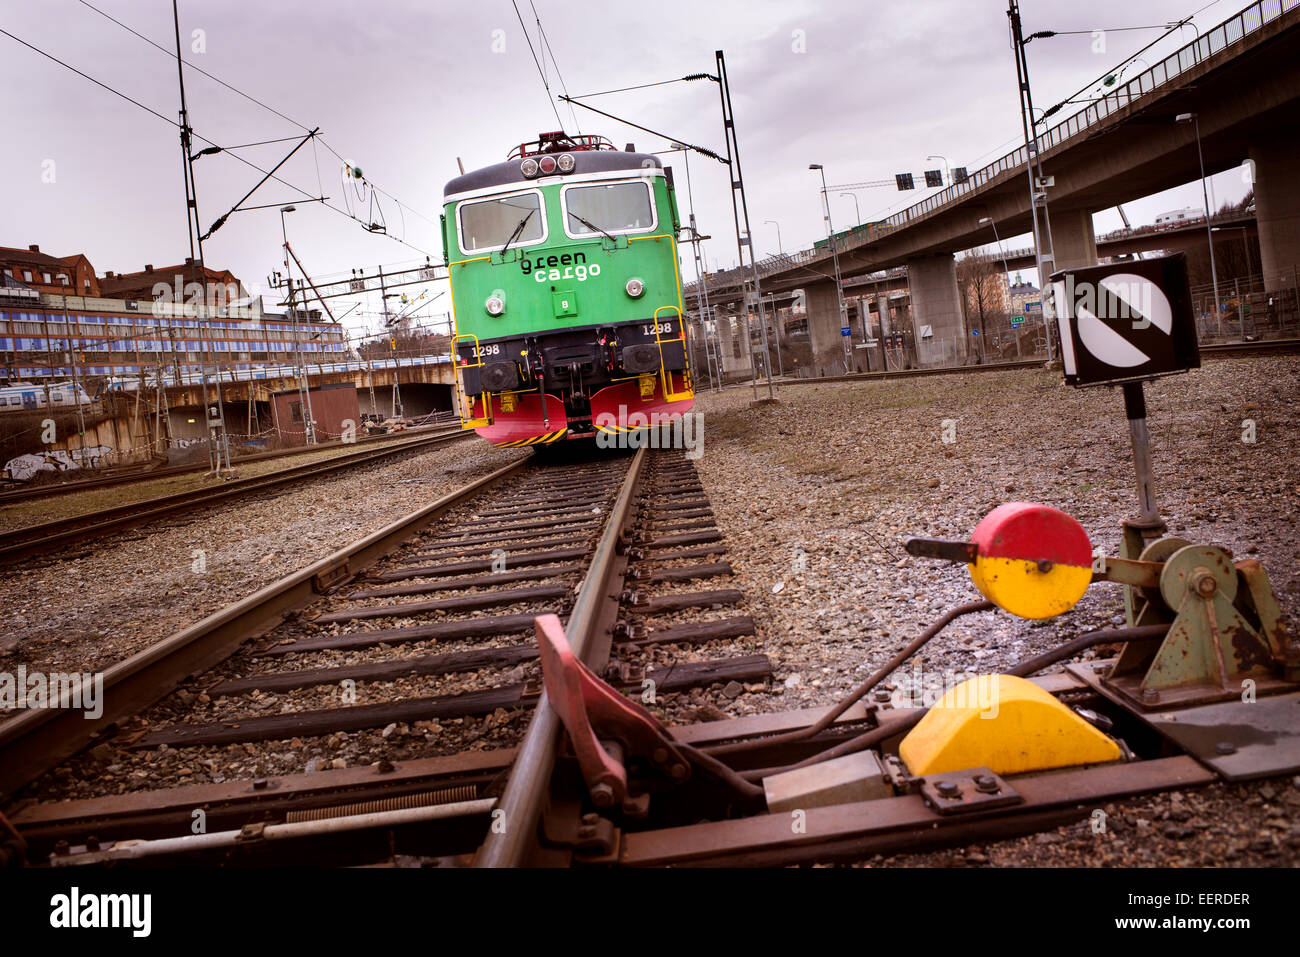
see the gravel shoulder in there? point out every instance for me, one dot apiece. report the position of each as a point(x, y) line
point(87, 610)
point(816, 494)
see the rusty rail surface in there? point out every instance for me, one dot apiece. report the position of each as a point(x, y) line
point(71, 483)
point(36, 740)
point(530, 775)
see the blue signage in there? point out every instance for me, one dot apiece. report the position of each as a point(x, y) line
point(845, 331)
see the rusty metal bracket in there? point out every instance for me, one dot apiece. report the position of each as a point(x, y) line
point(602, 724)
point(324, 580)
point(963, 552)
point(960, 792)
point(591, 837)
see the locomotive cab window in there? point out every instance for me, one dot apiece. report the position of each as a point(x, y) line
point(491, 224)
point(608, 207)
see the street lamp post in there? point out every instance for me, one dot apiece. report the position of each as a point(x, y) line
point(299, 366)
point(779, 248)
point(835, 256)
point(1245, 244)
point(1195, 120)
point(947, 170)
point(856, 208)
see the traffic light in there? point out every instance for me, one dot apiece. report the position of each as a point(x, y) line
point(904, 181)
point(933, 178)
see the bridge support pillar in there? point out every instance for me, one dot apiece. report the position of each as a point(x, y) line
point(1277, 205)
point(824, 328)
point(885, 321)
point(936, 310)
point(733, 343)
point(882, 307)
point(1073, 240)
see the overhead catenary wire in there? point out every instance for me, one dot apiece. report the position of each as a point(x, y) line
point(540, 71)
point(559, 76)
point(252, 99)
point(196, 135)
point(702, 150)
point(644, 86)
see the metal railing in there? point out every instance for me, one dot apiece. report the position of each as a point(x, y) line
point(1233, 30)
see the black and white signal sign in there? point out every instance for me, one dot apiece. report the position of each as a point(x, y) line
point(1126, 321)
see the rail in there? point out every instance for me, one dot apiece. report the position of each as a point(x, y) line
point(530, 776)
point(38, 739)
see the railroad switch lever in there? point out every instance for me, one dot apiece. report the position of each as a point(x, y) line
point(604, 726)
point(1031, 560)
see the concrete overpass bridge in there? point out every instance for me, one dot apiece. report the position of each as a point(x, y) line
point(725, 289)
point(126, 410)
point(1241, 78)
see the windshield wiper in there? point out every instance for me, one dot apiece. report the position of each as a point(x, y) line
point(518, 229)
point(592, 226)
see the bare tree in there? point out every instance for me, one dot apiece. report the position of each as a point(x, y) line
point(983, 289)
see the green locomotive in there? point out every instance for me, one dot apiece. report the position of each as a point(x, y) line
point(566, 293)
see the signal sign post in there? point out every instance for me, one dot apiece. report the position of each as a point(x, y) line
point(1120, 325)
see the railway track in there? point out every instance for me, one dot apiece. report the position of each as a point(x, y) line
point(416, 698)
point(23, 543)
point(13, 492)
point(425, 625)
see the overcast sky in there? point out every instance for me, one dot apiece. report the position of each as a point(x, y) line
point(403, 88)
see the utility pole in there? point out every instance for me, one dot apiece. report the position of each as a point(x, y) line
point(701, 292)
point(392, 341)
point(216, 424)
point(299, 366)
point(740, 210)
point(1044, 253)
point(76, 396)
point(304, 382)
point(1209, 213)
point(835, 256)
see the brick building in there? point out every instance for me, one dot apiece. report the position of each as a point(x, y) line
point(335, 409)
point(71, 275)
point(144, 285)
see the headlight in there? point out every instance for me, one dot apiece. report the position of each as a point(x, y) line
point(565, 163)
point(634, 287)
point(528, 167)
point(495, 305)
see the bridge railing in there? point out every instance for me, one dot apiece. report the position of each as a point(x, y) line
point(1249, 20)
